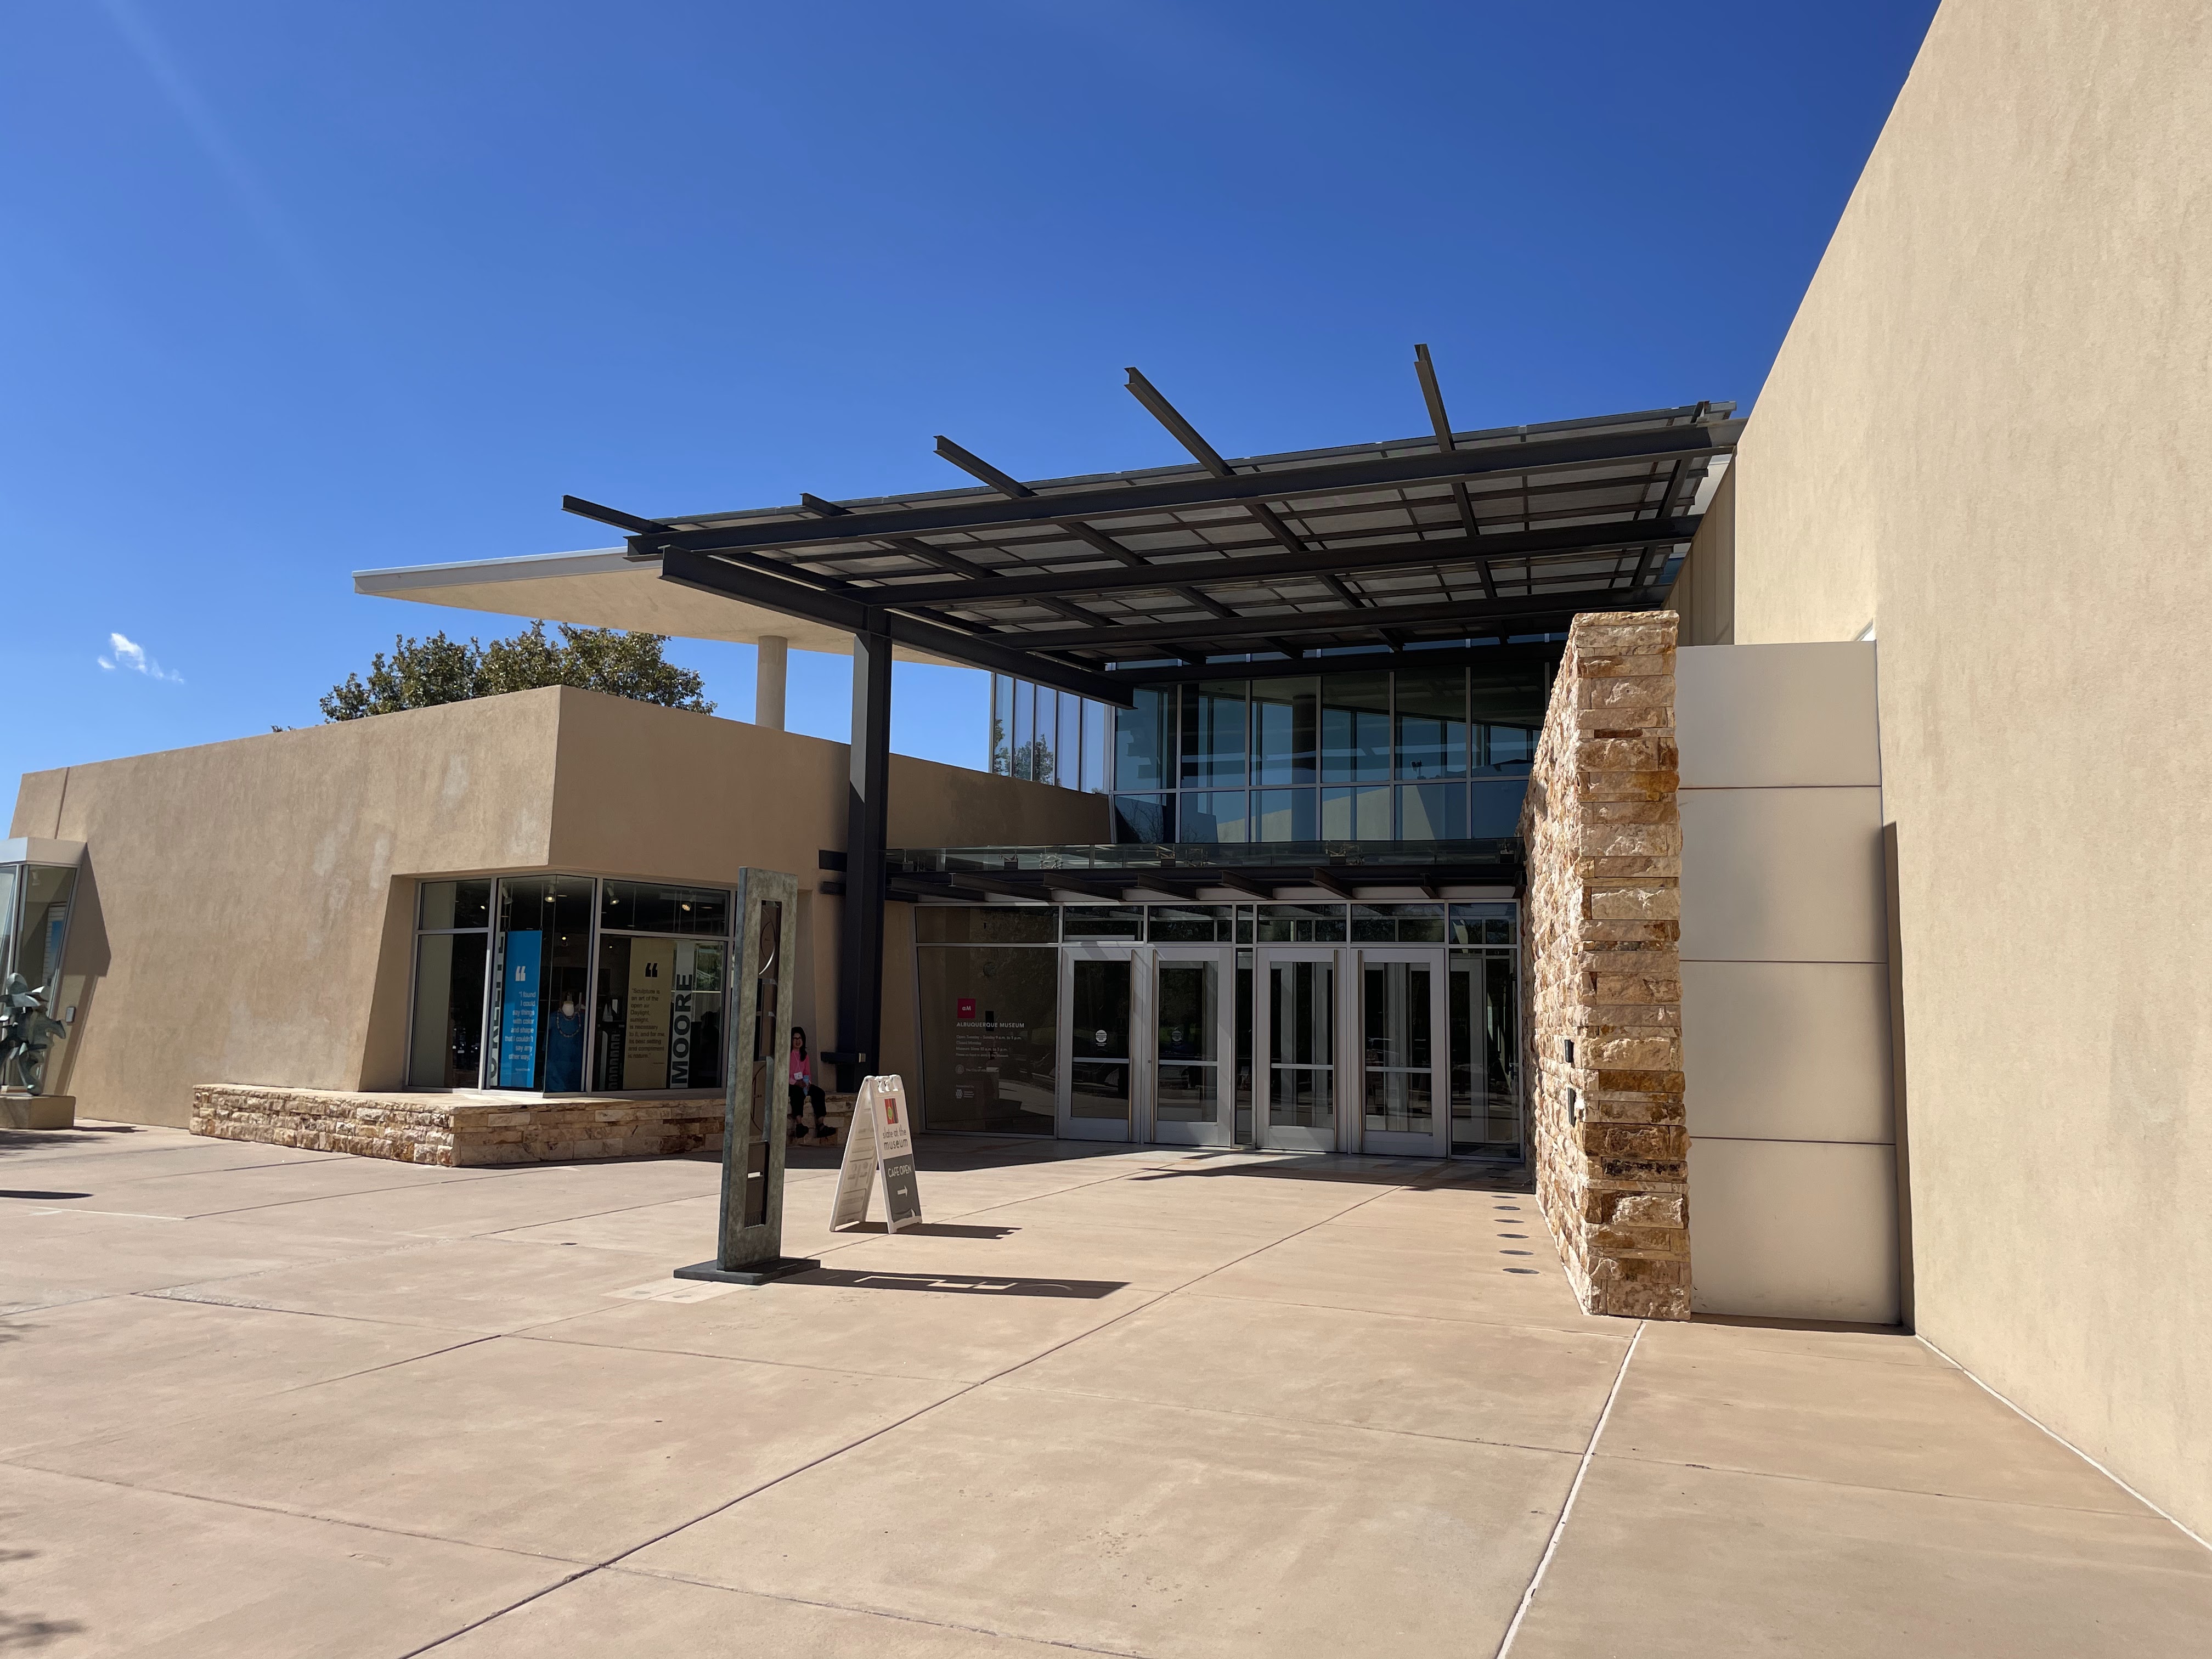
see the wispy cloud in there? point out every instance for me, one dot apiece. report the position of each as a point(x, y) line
point(127, 654)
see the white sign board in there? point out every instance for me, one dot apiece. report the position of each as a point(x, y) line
point(881, 1139)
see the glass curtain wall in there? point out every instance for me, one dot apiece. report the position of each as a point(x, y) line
point(1483, 1000)
point(663, 952)
point(988, 981)
point(1414, 754)
point(1046, 736)
point(542, 972)
point(987, 986)
point(453, 943)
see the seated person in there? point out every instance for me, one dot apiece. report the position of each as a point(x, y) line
point(803, 1088)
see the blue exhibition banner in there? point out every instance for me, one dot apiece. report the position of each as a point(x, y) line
point(518, 1011)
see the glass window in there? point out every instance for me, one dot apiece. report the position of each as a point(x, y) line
point(1144, 820)
point(1141, 739)
point(1244, 1034)
point(1433, 811)
point(1488, 923)
point(1213, 818)
point(1284, 814)
point(1496, 809)
point(989, 1037)
point(1398, 924)
point(1068, 753)
point(660, 1010)
point(1355, 815)
point(1103, 921)
point(1192, 924)
point(456, 904)
point(1286, 730)
point(961, 924)
point(646, 907)
point(1002, 724)
point(1508, 710)
point(1024, 760)
point(1045, 769)
point(1094, 747)
point(1485, 1070)
point(1299, 924)
point(1432, 715)
point(446, 1051)
point(1213, 733)
point(1355, 728)
point(542, 964)
point(42, 923)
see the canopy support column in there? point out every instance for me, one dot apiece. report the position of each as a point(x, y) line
point(860, 941)
point(767, 681)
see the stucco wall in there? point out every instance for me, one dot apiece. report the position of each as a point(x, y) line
point(248, 912)
point(1990, 434)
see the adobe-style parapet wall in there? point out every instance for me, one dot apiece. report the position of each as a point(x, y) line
point(1604, 975)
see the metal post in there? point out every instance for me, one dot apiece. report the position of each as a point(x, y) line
point(768, 681)
point(860, 943)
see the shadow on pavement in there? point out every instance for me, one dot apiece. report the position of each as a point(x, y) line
point(1080, 1290)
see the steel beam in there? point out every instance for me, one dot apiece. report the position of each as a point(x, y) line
point(1189, 570)
point(1473, 613)
point(861, 930)
point(1588, 449)
point(792, 599)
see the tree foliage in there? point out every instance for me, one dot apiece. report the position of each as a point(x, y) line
point(423, 673)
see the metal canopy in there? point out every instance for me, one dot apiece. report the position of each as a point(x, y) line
point(1132, 874)
point(1082, 583)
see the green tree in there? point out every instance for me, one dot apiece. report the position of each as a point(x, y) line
point(423, 673)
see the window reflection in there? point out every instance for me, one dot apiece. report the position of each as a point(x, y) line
point(1355, 728)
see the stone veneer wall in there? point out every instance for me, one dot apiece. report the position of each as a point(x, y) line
point(1602, 970)
point(445, 1129)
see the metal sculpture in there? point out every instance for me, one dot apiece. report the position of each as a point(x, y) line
point(26, 1033)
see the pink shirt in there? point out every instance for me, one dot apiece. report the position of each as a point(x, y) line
point(802, 1069)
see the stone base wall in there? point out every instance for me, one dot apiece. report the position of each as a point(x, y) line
point(1603, 971)
point(457, 1131)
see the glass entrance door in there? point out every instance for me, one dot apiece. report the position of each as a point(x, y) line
point(1403, 1066)
point(1297, 1034)
point(1101, 990)
point(1193, 1008)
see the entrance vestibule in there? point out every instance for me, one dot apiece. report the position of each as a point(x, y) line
point(1387, 1029)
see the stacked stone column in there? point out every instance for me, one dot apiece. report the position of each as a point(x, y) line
point(1603, 972)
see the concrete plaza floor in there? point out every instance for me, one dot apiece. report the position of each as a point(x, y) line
point(255, 1402)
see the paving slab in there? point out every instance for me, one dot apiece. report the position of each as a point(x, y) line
point(55, 1255)
point(1741, 1405)
point(886, 1324)
point(1141, 1528)
point(229, 1189)
point(484, 1287)
point(1339, 1265)
point(92, 1368)
point(484, 1204)
point(556, 1448)
point(1088, 1253)
point(93, 1571)
point(614, 1611)
point(1664, 1562)
point(1454, 1379)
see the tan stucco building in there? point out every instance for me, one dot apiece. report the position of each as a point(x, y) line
point(1855, 970)
point(248, 912)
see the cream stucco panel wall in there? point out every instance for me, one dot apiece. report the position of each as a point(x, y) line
point(1989, 434)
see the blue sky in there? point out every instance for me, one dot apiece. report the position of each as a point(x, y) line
point(290, 291)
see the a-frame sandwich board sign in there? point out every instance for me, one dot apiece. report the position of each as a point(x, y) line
point(880, 1140)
